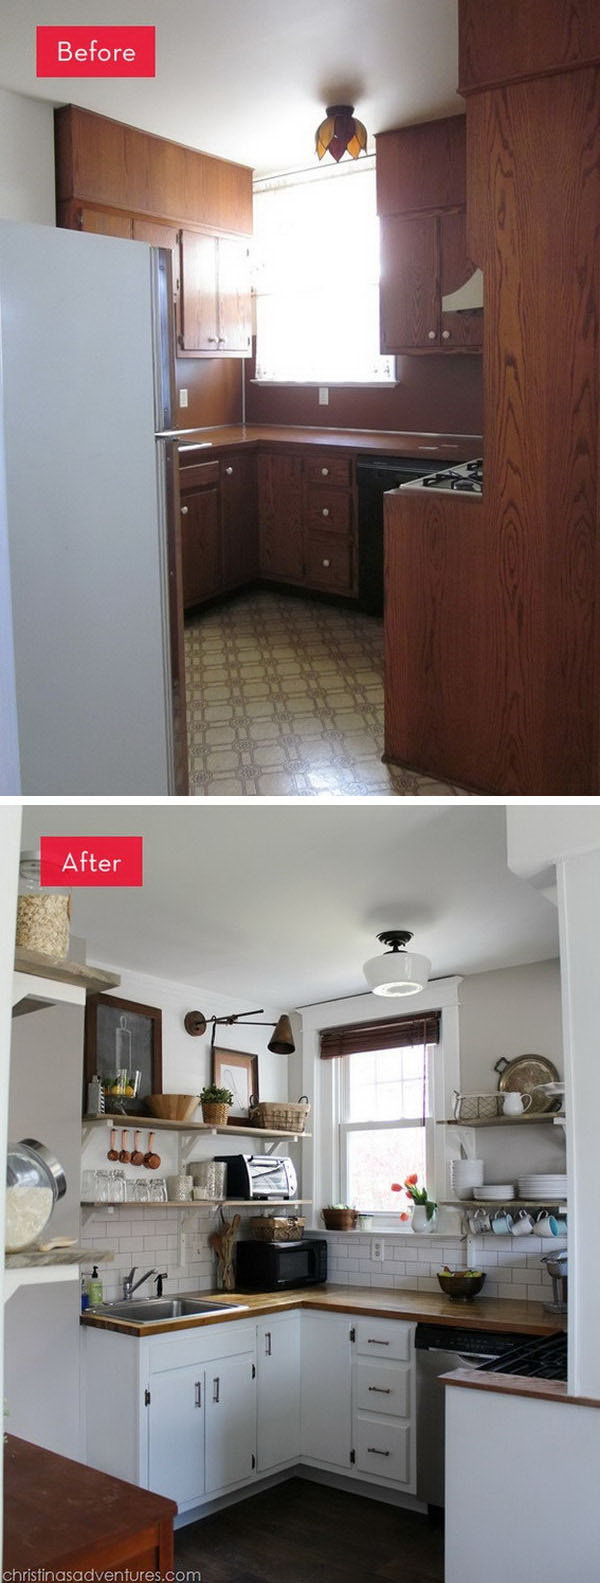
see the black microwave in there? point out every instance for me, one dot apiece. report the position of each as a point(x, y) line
point(276, 1266)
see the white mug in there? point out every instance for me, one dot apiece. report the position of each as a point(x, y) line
point(542, 1225)
point(523, 1224)
point(514, 1103)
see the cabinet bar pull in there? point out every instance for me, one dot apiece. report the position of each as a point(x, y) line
point(198, 1393)
point(216, 1385)
point(268, 1344)
point(382, 1390)
point(373, 1341)
point(375, 1452)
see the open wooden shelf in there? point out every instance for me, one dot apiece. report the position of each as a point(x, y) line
point(62, 971)
point(469, 1205)
point(202, 1128)
point(509, 1121)
point(199, 1203)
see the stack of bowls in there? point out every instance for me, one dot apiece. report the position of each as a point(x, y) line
point(465, 1175)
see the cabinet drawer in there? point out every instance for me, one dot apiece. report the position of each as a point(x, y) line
point(328, 509)
point(335, 470)
point(329, 563)
point(197, 473)
point(382, 1447)
point(384, 1338)
point(383, 1388)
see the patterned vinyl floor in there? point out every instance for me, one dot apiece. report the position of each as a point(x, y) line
point(285, 699)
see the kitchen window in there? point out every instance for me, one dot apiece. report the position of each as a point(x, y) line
point(316, 250)
point(386, 1082)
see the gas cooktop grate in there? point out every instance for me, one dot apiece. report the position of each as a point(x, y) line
point(543, 1359)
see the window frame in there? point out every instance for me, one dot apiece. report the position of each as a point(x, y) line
point(299, 178)
point(321, 1170)
point(386, 1219)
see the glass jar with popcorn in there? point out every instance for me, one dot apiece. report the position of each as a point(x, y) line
point(43, 915)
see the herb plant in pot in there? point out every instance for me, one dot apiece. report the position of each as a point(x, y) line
point(424, 1211)
point(216, 1104)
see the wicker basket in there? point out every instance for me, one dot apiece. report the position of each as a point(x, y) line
point(476, 1107)
point(215, 1114)
point(276, 1228)
point(280, 1116)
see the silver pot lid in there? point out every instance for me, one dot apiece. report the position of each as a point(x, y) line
point(53, 1166)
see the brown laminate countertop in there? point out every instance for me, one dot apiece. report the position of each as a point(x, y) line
point(484, 1313)
point(59, 1514)
point(519, 1385)
point(385, 442)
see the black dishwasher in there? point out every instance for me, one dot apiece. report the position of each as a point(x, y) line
point(376, 474)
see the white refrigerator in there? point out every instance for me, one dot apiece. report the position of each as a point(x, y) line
point(86, 383)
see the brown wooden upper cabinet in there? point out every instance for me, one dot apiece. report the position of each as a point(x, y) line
point(215, 296)
point(421, 199)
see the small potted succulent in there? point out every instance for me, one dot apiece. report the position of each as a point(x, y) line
point(340, 1217)
point(424, 1211)
point(216, 1104)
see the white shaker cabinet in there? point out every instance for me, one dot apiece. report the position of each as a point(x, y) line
point(176, 1434)
point(230, 1413)
point(278, 1363)
point(326, 1407)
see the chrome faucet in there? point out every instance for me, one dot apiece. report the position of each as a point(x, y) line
point(130, 1286)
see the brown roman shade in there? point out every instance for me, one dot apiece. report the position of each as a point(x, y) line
point(390, 1034)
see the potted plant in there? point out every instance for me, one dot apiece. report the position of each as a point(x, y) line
point(424, 1213)
point(216, 1104)
point(340, 1217)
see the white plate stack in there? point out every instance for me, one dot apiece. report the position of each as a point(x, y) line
point(546, 1189)
point(496, 1192)
point(465, 1175)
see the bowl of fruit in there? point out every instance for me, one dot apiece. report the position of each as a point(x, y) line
point(461, 1285)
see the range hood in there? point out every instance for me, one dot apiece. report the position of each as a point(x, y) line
point(467, 297)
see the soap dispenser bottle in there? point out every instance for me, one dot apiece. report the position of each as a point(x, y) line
point(94, 1287)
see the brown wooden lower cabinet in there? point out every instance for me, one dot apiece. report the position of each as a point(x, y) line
point(329, 563)
point(62, 1516)
point(201, 546)
point(280, 509)
point(239, 520)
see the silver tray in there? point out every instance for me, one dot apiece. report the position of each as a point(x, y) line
point(528, 1074)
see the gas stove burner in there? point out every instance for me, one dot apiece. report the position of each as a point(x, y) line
point(465, 479)
point(468, 486)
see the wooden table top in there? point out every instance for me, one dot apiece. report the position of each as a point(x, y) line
point(56, 1510)
point(383, 442)
point(518, 1318)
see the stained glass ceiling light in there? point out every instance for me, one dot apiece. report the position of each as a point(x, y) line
point(341, 133)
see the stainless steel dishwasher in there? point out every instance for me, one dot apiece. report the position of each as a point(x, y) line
point(441, 1348)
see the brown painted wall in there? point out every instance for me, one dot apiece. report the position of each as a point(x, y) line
point(440, 395)
point(214, 391)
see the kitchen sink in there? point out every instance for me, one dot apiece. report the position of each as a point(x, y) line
point(151, 1310)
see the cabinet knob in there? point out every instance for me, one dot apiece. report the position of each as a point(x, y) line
point(445, 335)
point(325, 472)
point(229, 471)
point(325, 511)
point(222, 340)
point(184, 511)
point(431, 335)
point(326, 563)
point(212, 340)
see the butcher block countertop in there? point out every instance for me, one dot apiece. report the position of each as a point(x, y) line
point(386, 442)
point(518, 1318)
point(519, 1385)
point(62, 1516)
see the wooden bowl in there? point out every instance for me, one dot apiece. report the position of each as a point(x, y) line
point(172, 1107)
point(461, 1285)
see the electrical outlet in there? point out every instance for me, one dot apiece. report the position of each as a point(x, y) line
point(183, 398)
point(377, 1250)
point(323, 395)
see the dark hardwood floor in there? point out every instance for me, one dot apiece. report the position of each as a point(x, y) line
point(300, 1532)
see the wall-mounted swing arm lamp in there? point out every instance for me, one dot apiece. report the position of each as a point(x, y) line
point(281, 1043)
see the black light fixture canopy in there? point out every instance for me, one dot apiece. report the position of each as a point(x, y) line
point(280, 1043)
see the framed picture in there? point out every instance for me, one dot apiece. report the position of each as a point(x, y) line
point(123, 1046)
point(238, 1072)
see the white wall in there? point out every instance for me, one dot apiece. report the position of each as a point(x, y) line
point(10, 774)
point(26, 159)
point(10, 833)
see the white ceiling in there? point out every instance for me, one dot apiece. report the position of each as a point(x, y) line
point(281, 905)
point(249, 79)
